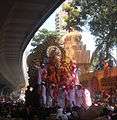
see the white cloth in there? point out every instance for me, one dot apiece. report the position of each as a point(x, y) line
point(44, 94)
point(88, 101)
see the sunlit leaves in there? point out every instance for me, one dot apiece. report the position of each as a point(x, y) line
point(42, 41)
point(103, 23)
point(73, 16)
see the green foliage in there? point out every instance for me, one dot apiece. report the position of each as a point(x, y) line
point(42, 41)
point(73, 18)
point(42, 35)
point(101, 16)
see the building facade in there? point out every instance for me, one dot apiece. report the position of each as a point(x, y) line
point(59, 22)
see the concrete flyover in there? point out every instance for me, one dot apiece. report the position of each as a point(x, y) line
point(19, 20)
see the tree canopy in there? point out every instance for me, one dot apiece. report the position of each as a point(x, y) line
point(72, 18)
point(100, 15)
point(101, 18)
point(42, 35)
point(42, 41)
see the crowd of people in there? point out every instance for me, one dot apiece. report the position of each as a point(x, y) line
point(55, 93)
point(73, 96)
point(58, 84)
point(18, 110)
point(58, 95)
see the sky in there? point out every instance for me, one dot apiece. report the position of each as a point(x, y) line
point(87, 38)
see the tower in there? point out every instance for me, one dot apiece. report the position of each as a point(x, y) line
point(59, 22)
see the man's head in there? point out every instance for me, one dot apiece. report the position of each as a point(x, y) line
point(79, 86)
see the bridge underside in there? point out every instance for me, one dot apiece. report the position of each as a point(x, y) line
point(19, 20)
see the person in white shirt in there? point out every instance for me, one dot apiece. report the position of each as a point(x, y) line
point(43, 90)
point(61, 96)
point(71, 96)
point(87, 98)
point(61, 115)
point(79, 95)
point(41, 72)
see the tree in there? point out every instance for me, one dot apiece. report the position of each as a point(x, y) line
point(100, 17)
point(73, 19)
point(43, 35)
point(42, 41)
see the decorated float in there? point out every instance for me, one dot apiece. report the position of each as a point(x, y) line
point(54, 69)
